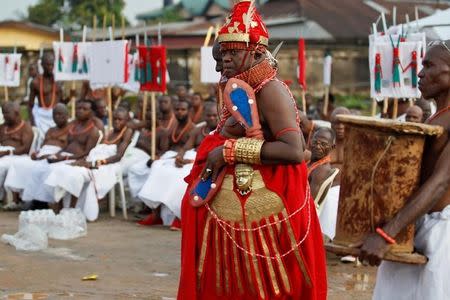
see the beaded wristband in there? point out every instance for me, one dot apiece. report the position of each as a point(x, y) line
point(385, 236)
point(248, 150)
point(229, 151)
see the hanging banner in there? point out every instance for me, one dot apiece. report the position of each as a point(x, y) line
point(72, 61)
point(302, 63)
point(208, 73)
point(153, 69)
point(10, 69)
point(133, 83)
point(109, 63)
point(394, 62)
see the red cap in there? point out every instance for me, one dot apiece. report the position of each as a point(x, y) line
point(245, 25)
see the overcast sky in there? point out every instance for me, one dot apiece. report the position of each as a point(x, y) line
point(12, 9)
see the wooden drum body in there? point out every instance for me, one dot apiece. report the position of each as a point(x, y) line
point(381, 171)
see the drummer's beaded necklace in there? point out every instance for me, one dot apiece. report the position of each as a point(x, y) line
point(119, 136)
point(318, 163)
point(14, 130)
point(437, 114)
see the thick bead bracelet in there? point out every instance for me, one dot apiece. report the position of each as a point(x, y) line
point(229, 151)
point(244, 150)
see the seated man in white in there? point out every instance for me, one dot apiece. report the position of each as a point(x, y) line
point(138, 171)
point(55, 140)
point(82, 136)
point(16, 137)
point(172, 141)
point(90, 179)
point(165, 185)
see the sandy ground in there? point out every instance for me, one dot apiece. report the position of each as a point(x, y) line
point(132, 262)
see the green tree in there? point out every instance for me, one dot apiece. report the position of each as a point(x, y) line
point(76, 12)
point(45, 12)
point(83, 11)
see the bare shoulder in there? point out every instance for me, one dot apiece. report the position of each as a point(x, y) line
point(276, 105)
point(322, 172)
point(35, 82)
point(274, 93)
point(274, 97)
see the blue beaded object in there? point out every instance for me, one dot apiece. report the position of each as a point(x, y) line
point(239, 98)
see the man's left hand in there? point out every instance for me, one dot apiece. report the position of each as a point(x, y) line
point(214, 164)
point(373, 249)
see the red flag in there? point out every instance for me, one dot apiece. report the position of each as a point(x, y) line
point(302, 63)
point(154, 62)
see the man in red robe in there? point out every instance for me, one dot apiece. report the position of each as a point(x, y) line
point(250, 229)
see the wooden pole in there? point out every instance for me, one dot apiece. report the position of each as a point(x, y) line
point(325, 105)
point(122, 21)
point(73, 100)
point(119, 99)
point(109, 93)
point(94, 28)
point(104, 27)
point(208, 36)
point(153, 103)
point(395, 109)
point(144, 105)
point(6, 93)
point(304, 100)
point(385, 105)
point(113, 24)
point(374, 107)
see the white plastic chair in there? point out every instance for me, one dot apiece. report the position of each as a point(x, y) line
point(120, 182)
point(112, 195)
point(323, 190)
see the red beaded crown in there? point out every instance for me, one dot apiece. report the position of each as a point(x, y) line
point(244, 25)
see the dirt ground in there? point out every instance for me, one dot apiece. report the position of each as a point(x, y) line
point(131, 261)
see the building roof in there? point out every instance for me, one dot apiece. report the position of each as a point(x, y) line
point(348, 19)
point(343, 21)
point(27, 35)
point(28, 26)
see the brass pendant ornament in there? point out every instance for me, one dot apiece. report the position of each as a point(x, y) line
point(244, 178)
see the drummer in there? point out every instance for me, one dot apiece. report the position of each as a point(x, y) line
point(429, 207)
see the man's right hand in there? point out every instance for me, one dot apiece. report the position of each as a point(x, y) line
point(179, 162)
point(55, 158)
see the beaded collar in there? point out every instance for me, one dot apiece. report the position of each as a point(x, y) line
point(257, 76)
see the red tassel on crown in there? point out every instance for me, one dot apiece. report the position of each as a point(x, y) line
point(244, 27)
